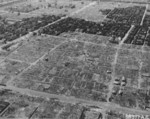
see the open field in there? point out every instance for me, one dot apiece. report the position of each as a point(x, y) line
point(72, 60)
point(76, 67)
point(99, 12)
point(34, 8)
point(94, 12)
point(72, 68)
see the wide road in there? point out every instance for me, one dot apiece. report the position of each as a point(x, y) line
point(144, 15)
point(103, 105)
point(114, 63)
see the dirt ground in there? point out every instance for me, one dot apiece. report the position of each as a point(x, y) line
point(94, 13)
point(63, 7)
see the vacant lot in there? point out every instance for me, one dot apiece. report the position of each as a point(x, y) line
point(35, 8)
point(98, 12)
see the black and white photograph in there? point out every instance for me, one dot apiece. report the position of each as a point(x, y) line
point(74, 59)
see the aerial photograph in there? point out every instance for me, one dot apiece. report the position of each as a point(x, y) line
point(74, 59)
